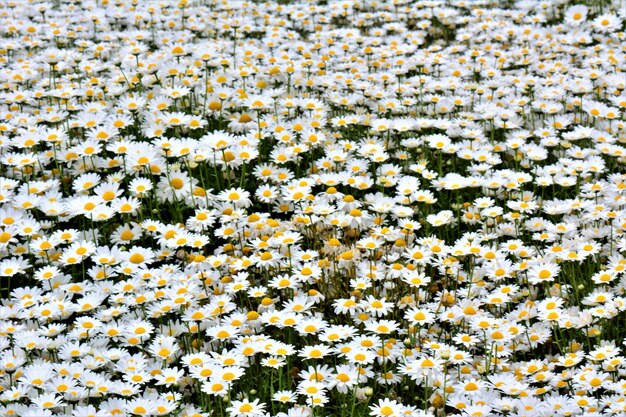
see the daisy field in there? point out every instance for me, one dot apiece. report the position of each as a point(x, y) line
point(227, 208)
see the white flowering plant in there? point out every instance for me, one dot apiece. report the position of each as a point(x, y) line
point(296, 209)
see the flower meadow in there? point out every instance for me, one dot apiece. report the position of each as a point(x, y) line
point(343, 208)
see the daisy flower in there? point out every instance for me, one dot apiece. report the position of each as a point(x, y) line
point(246, 408)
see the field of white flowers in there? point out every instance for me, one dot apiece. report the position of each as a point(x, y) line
point(338, 208)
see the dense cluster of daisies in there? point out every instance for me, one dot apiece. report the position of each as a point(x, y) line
point(343, 208)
